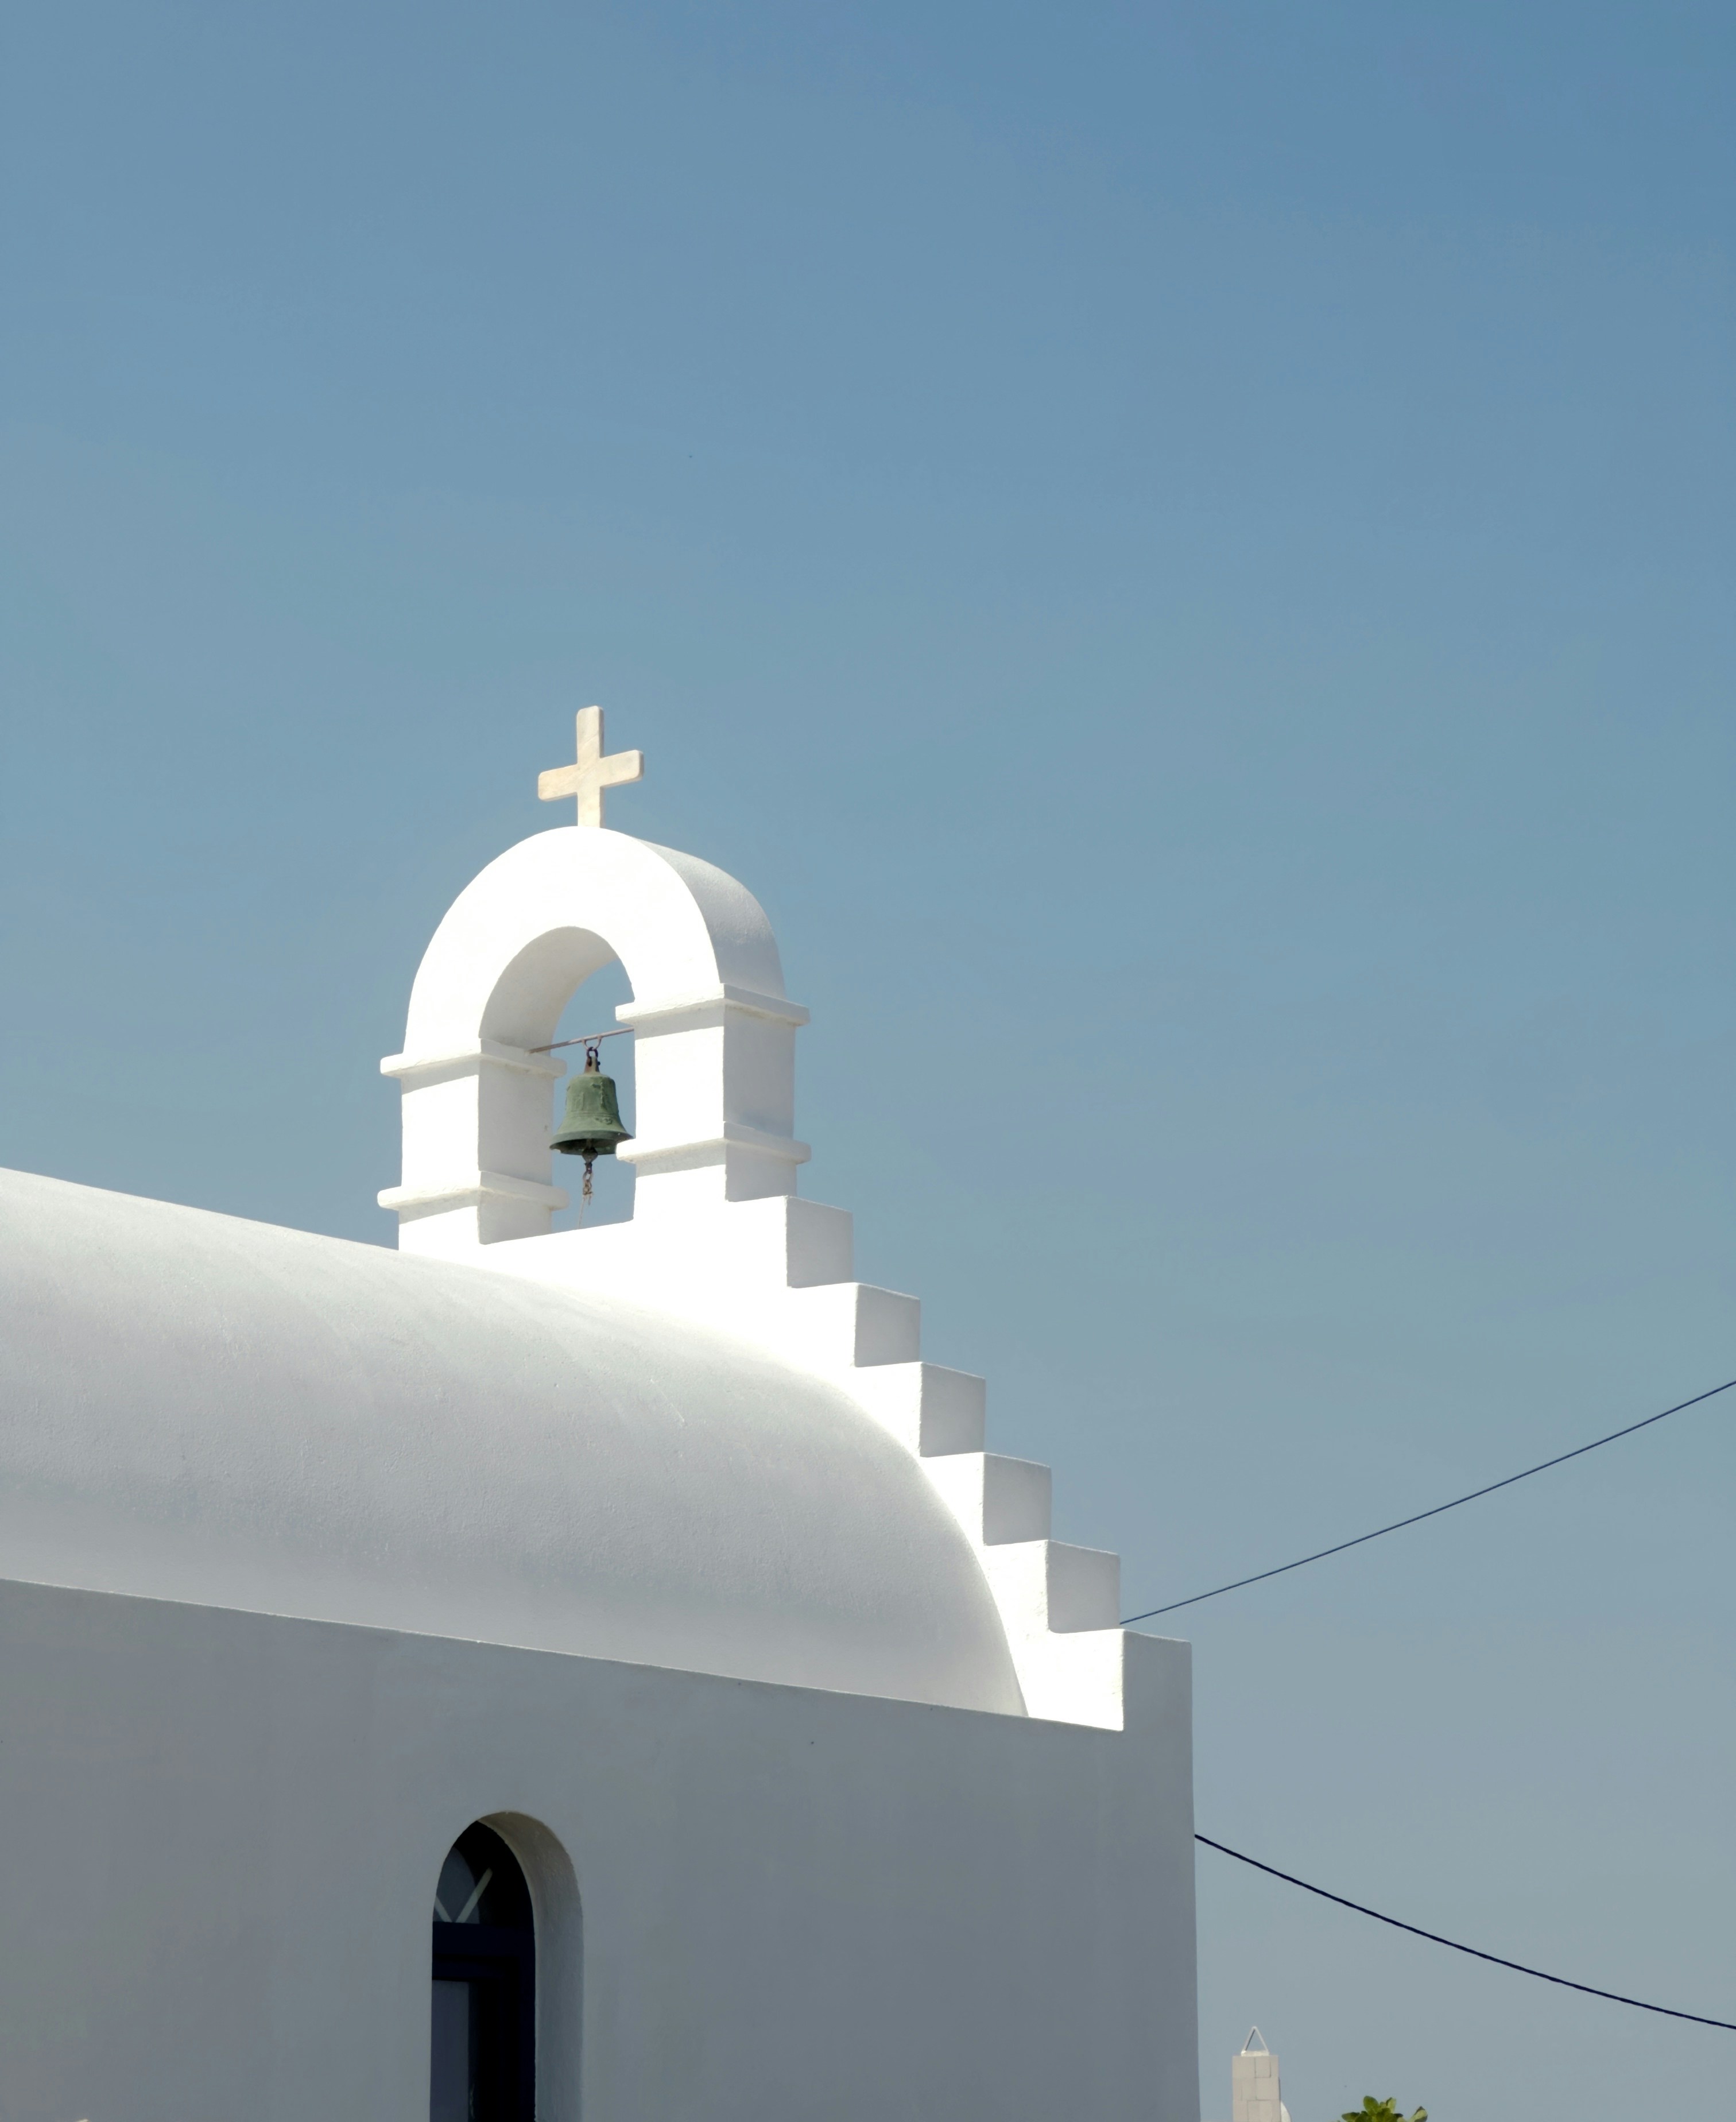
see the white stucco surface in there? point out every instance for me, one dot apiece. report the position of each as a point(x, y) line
point(196, 1408)
point(219, 1834)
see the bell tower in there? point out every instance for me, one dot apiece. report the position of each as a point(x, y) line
point(715, 1032)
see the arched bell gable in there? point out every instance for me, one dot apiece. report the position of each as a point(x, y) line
point(716, 1036)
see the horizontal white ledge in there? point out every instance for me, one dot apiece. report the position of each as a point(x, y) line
point(707, 1005)
point(713, 1148)
point(470, 1192)
point(471, 1057)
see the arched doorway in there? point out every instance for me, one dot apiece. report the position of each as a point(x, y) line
point(482, 2059)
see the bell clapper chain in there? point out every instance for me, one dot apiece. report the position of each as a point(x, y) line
point(593, 1066)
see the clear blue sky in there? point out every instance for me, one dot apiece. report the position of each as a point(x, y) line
point(1186, 553)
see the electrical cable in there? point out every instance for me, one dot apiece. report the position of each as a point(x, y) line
point(1398, 1525)
point(1519, 1967)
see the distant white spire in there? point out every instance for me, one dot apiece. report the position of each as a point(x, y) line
point(1254, 2083)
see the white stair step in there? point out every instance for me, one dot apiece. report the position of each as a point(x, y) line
point(1045, 1586)
point(819, 1244)
point(1085, 1587)
point(1075, 1679)
point(929, 1409)
point(997, 1501)
point(843, 1324)
point(780, 1242)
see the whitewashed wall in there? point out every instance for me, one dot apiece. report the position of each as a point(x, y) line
point(220, 1832)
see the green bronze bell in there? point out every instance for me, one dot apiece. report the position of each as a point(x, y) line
point(592, 1126)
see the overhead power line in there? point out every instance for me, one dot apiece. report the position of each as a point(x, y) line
point(1398, 1525)
point(1518, 1966)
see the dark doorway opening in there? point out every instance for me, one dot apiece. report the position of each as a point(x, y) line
point(483, 2049)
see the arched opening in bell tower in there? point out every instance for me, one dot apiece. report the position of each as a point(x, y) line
point(563, 987)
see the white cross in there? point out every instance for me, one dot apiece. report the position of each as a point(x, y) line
point(591, 773)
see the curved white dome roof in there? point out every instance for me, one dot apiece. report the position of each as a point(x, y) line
point(196, 1407)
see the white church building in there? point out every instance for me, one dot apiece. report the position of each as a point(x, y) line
point(586, 1673)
